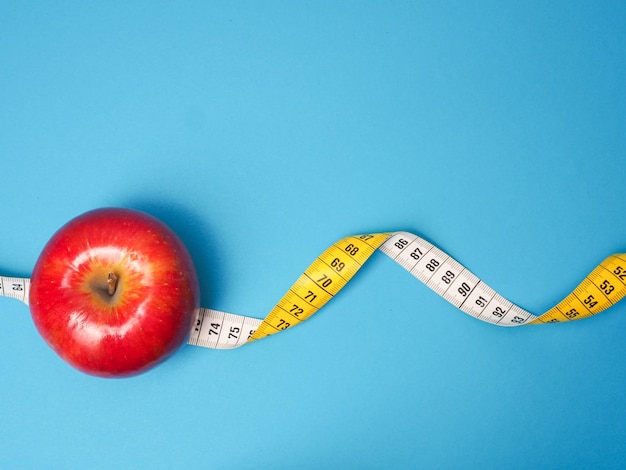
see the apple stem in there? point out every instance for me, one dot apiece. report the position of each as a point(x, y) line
point(111, 283)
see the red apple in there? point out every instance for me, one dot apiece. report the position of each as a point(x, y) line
point(114, 292)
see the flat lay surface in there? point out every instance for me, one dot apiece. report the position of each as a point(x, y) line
point(262, 133)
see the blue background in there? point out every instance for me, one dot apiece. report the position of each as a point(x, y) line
point(263, 132)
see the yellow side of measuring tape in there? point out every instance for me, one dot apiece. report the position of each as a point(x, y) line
point(320, 282)
point(335, 267)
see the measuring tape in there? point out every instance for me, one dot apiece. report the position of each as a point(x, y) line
point(333, 269)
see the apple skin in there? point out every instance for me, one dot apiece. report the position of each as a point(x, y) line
point(145, 320)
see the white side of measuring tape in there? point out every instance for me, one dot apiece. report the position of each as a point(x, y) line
point(453, 281)
point(431, 265)
point(220, 330)
point(15, 287)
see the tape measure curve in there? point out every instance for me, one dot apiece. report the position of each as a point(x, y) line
point(335, 267)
